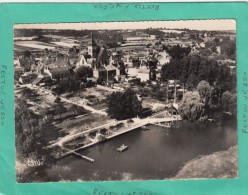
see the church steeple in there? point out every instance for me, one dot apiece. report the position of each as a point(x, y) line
point(92, 46)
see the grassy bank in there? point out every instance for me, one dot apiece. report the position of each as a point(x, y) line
point(222, 164)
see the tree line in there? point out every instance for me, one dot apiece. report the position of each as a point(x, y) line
point(69, 85)
point(203, 102)
point(192, 69)
point(211, 86)
point(29, 134)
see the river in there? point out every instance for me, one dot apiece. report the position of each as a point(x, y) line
point(155, 154)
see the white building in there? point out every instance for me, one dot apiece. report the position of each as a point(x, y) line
point(163, 58)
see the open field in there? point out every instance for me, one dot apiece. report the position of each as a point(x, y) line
point(23, 48)
point(128, 48)
point(135, 43)
point(65, 44)
point(34, 45)
point(172, 31)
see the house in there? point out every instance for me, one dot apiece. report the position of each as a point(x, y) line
point(26, 63)
point(143, 74)
point(218, 48)
point(106, 72)
point(172, 109)
point(81, 61)
point(163, 58)
point(40, 68)
point(42, 78)
point(58, 74)
point(60, 61)
point(128, 61)
point(202, 45)
point(204, 34)
point(27, 77)
point(18, 71)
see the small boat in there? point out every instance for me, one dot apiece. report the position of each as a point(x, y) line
point(145, 128)
point(122, 148)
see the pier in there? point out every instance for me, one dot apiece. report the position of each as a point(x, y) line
point(83, 157)
point(137, 124)
point(76, 154)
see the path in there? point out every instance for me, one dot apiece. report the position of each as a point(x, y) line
point(139, 123)
point(86, 107)
point(70, 137)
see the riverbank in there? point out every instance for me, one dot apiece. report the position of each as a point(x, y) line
point(178, 146)
point(222, 164)
point(123, 128)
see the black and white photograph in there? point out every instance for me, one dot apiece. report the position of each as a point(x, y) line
point(125, 101)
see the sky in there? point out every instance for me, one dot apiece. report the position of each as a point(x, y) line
point(223, 24)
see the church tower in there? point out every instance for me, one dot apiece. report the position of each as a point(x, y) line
point(92, 47)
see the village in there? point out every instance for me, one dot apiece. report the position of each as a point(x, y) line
point(70, 83)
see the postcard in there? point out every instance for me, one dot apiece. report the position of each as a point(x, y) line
point(105, 103)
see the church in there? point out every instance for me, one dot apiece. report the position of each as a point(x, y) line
point(98, 58)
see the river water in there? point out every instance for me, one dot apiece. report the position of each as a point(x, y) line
point(155, 154)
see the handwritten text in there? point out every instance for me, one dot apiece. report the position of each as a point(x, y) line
point(101, 192)
point(143, 6)
point(3, 93)
point(245, 104)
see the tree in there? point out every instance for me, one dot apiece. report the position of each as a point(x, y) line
point(27, 92)
point(193, 72)
point(213, 102)
point(122, 68)
point(123, 105)
point(76, 109)
point(71, 84)
point(191, 107)
point(178, 52)
point(100, 81)
point(73, 108)
point(57, 99)
point(84, 72)
point(171, 70)
point(204, 90)
point(225, 81)
point(228, 47)
point(160, 95)
point(27, 54)
point(29, 134)
point(59, 109)
point(192, 69)
point(216, 40)
point(229, 102)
